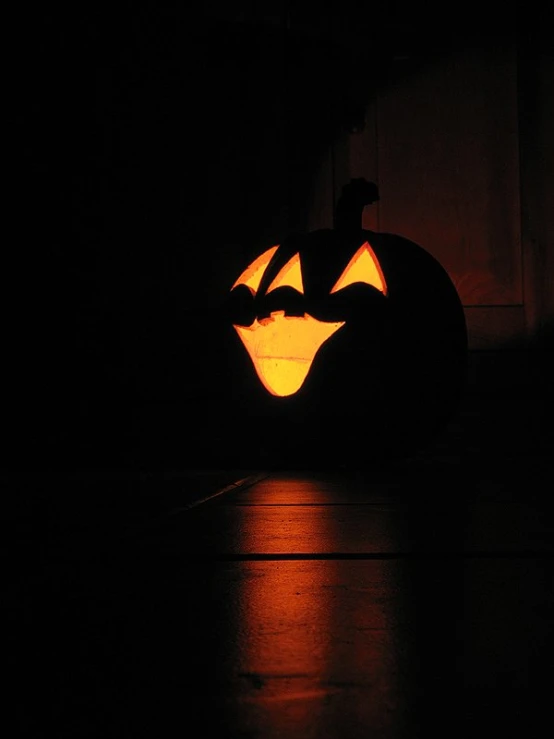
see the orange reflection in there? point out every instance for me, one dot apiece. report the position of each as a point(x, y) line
point(317, 644)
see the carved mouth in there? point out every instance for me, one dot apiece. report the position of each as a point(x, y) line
point(282, 348)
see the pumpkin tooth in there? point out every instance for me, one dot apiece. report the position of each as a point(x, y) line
point(274, 315)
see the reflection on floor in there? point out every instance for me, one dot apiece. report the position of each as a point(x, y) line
point(406, 602)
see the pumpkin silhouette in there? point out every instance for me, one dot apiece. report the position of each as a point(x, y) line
point(346, 346)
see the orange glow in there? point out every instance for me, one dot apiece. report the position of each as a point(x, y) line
point(290, 276)
point(252, 275)
point(363, 267)
point(315, 639)
point(282, 348)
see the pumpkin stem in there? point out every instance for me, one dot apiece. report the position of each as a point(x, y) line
point(354, 197)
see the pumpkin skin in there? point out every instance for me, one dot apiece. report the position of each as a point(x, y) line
point(386, 380)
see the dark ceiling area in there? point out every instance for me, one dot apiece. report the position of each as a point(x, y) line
point(183, 98)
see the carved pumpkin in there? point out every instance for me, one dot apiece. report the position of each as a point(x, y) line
point(348, 345)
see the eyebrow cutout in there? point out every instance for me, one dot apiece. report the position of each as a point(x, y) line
point(289, 276)
point(363, 267)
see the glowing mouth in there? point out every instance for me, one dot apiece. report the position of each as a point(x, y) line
point(282, 348)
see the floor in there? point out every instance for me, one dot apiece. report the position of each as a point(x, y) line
point(393, 603)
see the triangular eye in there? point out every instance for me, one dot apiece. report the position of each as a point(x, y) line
point(252, 275)
point(289, 276)
point(363, 267)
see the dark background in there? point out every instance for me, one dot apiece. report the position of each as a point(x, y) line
point(158, 150)
point(163, 147)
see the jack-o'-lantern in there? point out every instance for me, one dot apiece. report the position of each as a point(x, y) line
point(347, 344)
